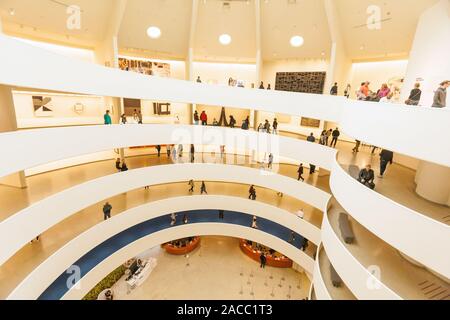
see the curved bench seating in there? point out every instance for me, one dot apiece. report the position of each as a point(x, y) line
point(105, 239)
point(281, 262)
point(179, 251)
point(20, 228)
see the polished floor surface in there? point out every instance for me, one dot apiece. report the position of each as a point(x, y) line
point(214, 273)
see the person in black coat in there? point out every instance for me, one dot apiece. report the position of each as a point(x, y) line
point(158, 148)
point(300, 172)
point(107, 211)
point(251, 191)
point(203, 188)
point(263, 260)
point(192, 153)
point(334, 89)
point(118, 167)
point(124, 167)
point(335, 135)
point(311, 138)
point(386, 157)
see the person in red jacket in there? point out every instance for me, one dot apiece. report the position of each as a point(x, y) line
point(204, 118)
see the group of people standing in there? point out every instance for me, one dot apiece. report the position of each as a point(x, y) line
point(325, 137)
point(266, 128)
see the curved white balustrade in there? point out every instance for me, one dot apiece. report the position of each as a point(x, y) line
point(28, 66)
point(203, 229)
point(41, 277)
point(358, 279)
point(320, 287)
point(24, 65)
point(29, 148)
point(416, 235)
point(18, 229)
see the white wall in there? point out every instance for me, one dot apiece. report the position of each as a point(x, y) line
point(70, 52)
point(219, 73)
point(429, 57)
point(63, 110)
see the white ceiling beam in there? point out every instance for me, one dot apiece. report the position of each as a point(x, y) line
point(339, 66)
point(117, 13)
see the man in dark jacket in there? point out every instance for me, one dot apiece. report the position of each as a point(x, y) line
point(263, 260)
point(107, 211)
point(334, 89)
point(300, 172)
point(335, 135)
point(386, 157)
point(158, 148)
point(366, 175)
point(275, 126)
point(311, 138)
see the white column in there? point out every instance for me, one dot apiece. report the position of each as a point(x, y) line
point(254, 115)
point(433, 182)
point(340, 65)
point(189, 64)
point(107, 54)
point(8, 122)
point(429, 57)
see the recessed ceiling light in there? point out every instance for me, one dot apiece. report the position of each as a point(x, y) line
point(297, 41)
point(225, 39)
point(154, 32)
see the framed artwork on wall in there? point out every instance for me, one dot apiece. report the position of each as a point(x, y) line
point(161, 109)
point(42, 106)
